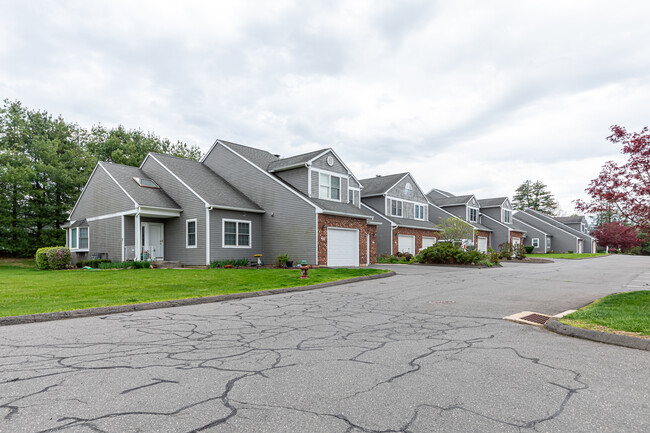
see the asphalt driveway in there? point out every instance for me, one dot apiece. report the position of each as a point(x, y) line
point(423, 351)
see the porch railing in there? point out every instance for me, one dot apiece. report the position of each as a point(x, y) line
point(149, 252)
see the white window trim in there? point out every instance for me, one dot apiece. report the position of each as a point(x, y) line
point(390, 203)
point(423, 218)
point(503, 215)
point(330, 176)
point(532, 242)
point(78, 249)
point(223, 233)
point(187, 233)
point(469, 213)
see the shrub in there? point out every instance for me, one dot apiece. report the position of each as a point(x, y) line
point(448, 253)
point(505, 251)
point(283, 259)
point(570, 251)
point(233, 262)
point(94, 263)
point(520, 251)
point(493, 256)
point(41, 258)
point(115, 265)
point(529, 249)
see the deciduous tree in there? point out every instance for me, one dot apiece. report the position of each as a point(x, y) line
point(617, 235)
point(622, 192)
point(455, 229)
point(534, 195)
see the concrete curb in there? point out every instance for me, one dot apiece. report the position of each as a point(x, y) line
point(102, 311)
point(601, 337)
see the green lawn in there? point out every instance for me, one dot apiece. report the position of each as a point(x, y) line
point(25, 290)
point(628, 312)
point(566, 256)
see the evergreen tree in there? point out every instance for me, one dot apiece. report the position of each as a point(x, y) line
point(534, 195)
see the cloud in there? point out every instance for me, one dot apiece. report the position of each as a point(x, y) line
point(470, 96)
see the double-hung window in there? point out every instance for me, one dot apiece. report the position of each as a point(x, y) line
point(190, 233)
point(79, 238)
point(396, 208)
point(536, 242)
point(329, 186)
point(236, 234)
point(419, 212)
point(472, 214)
point(506, 216)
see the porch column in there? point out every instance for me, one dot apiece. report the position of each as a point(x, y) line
point(122, 231)
point(138, 238)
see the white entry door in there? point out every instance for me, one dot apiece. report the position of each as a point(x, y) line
point(482, 244)
point(153, 241)
point(579, 246)
point(406, 244)
point(342, 247)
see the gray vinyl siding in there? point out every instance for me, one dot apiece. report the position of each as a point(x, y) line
point(129, 230)
point(193, 208)
point(494, 212)
point(459, 211)
point(437, 216)
point(587, 240)
point(218, 252)
point(104, 237)
point(383, 236)
point(297, 177)
point(378, 203)
point(336, 168)
point(101, 196)
point(561, 242)
point(500, 234)
point(532, 232)
point(354, 183)
point(289, 224)
point(400, 191)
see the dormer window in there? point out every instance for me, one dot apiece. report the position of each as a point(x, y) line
point(396, 208)
point(506, 216)
point(146, 183)
point(472, 214)
point(329, 187)
point(419, 212)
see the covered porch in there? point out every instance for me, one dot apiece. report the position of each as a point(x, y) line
point(143, 234)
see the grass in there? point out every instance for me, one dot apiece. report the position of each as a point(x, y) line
point(628, 312)
point(26, 290)
point(566, 256)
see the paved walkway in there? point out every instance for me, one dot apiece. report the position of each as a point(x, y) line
point(423, 351)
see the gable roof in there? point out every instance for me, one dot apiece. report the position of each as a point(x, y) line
point(451, 201)
point(259, 157)
point(209, 186)
point(380, 184)
point(539, 220)
point(401, 222)
point(441, 192)
point(519, 221)
point(492, 202)
point(294, 161)
point(575, 219)
point(151, 197)
point(552, 221)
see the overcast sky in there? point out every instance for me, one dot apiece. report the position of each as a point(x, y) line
point(469, 96)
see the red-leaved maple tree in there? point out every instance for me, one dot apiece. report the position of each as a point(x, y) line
point(616, 235)
point(623, 190)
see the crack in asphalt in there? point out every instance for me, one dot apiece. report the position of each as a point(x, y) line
point(248, 341)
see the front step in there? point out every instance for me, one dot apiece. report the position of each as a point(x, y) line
point(166, 264)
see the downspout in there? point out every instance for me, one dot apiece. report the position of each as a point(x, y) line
point(207, 234)
point(138, 236)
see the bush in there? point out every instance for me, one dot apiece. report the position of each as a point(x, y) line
point(493, 256)
point(283, 259)
point(233, 262)
point(404, 258)
point(505, 251)
point(95, 263)
point(41, 258)
point(448, 253)
point(520, 251)
point(570, 251)
point(53, 258)
point(123, 265)
point(529, 249)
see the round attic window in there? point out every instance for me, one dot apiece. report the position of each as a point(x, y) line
point(408, 186)
point(330, 160)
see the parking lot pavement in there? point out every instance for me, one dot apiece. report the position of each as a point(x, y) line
point(425, 350)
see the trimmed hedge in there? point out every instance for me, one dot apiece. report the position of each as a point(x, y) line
point(53, 258)
point(448, 253)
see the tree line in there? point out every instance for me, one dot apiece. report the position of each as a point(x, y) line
point(44, 163)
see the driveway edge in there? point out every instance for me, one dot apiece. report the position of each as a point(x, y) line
point(601, 337)
point(116, 309)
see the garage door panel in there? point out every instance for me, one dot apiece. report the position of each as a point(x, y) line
point(342, 247)
point(406, 244)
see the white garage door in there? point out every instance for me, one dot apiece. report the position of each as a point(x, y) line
point(342, 247)
point(428, 242)
point(406, 244)
point(482, 244)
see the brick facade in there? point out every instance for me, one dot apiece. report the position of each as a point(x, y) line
point(482, 234)
point(348, 223)
point(418, 233)
point(514, 234)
